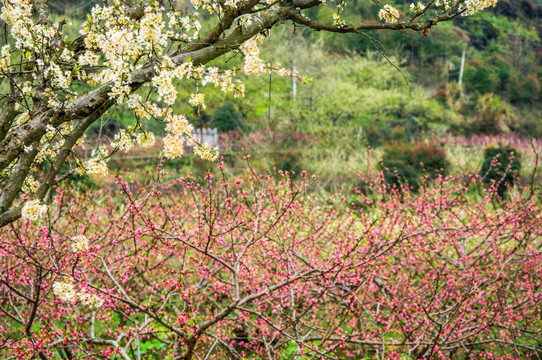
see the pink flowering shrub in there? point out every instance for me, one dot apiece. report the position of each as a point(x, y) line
point(511, 139)
point(260, 268)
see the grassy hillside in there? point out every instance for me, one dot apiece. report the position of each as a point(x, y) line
point(399, 88)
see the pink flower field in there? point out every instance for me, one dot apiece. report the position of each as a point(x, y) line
point(258, 268)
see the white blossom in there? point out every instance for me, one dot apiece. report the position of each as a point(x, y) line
point(206, 152)
point(473, 6)
point(173, 146)
point(253, 64)
point(33, 210)
point(389, 14)
point(197, 100)
point(146, 140)
point(5, 59)
point(417, 7)
point(123, 141)
point(95, 166)
point(65, 290)
point(79, 244)
point(91, 301)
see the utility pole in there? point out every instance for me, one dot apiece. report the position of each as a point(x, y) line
point(294, 84)
point(269, 109)
point(447, 68)
point(460, 82)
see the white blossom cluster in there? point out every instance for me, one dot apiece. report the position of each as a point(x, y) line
point(29, 36)
point(65, 291)
point(5, 59)
point(53, 140)
point(246, 20)
point(184, 25)
point(49, 145)
point(18, 15)
point(30, 185)
point(128, 45)
point(473, 6)
point(444, 3)
point(123, 141)
point(59, 78)
point(173, 146)
point(389, 14)
point(164, 84)
point(177, 124)
point(33, 210)
point(97, 164)
point(91, 301)
point(209, 5)
point(79, 244)
point(469, 7)
point(417, 7)
point(206, 152)
point(253, 64)
point(338, 21)
point(146, 140)
point(89, 58)
point(197, 100)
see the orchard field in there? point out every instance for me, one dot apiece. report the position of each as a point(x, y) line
point(259, 267)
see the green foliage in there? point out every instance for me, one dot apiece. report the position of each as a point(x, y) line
point(407, 163)
point(379, 133)
point(412, 128)
point(397, 173)
point(529, 125)
point(493, 116)
point(482, 30)
point(398, 134)
point(357, 98)
point(288, 160)
point(227, 118)
point(504, 41)
point(151, 349)
point(430, 159)
point(525, 90)
point(478, 79)
point(503, 69)
point(500, 168)
point(376, 135)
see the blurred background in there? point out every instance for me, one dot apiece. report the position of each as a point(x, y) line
point(418, 105)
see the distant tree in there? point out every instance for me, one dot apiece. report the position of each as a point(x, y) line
point(412, 127)
point(500, 168)
point(503, 70)
point(493, 116)
point(227, 118)
point(525, 90)
point(478, 79)
point(407, 163)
